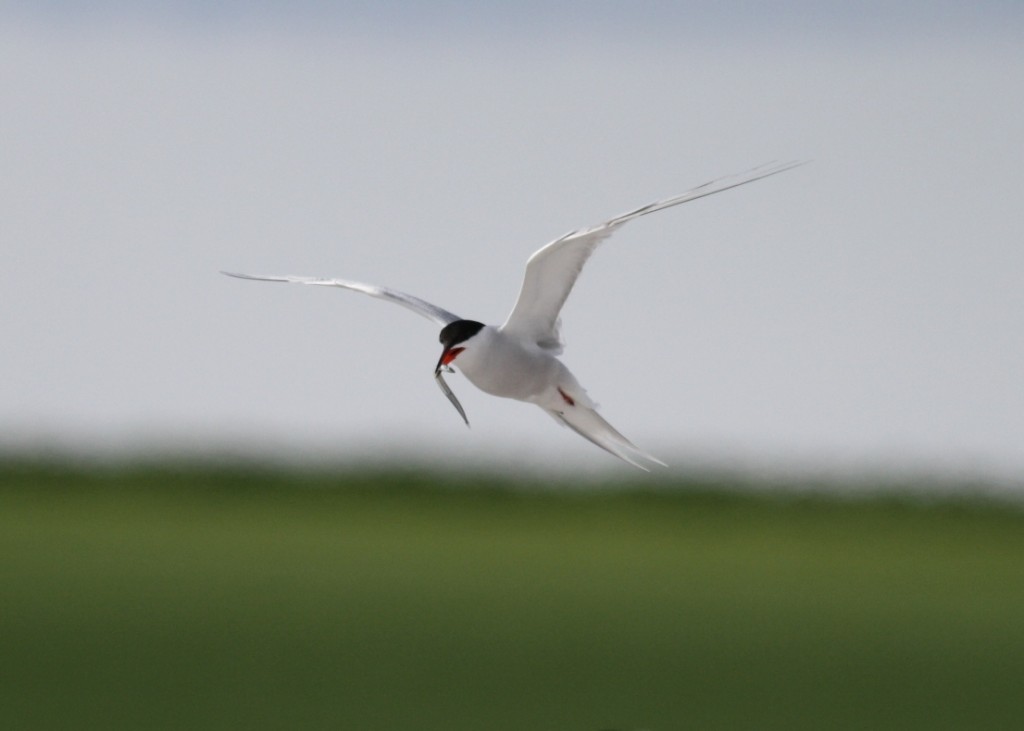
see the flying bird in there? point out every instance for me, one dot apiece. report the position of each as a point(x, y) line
point(518, 359)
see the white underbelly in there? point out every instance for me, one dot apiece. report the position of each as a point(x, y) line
point(508, 370)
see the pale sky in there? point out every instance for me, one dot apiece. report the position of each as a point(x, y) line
point(863, 311)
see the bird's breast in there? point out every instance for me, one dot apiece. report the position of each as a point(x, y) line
point(502, 367)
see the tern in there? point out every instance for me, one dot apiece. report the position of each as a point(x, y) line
point(519, 359)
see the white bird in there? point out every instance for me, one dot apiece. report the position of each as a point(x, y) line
point(518, 359)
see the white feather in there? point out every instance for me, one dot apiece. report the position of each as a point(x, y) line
point(591, 426)
point(552, 270)
point(421, 307)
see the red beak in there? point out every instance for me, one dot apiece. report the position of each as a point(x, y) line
point(447, 357)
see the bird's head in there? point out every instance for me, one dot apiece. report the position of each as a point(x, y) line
point(454, 337)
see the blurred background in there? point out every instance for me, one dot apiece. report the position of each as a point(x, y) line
point(228, 504)
point(860, 312)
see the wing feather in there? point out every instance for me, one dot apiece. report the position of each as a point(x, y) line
point(552, 270)
point(421, 307)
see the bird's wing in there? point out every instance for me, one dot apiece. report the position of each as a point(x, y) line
point(431, 312)
point(553, 269)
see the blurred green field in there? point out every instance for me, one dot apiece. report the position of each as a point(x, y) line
point(195, 598)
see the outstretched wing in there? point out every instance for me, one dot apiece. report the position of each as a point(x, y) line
point(420, 307)
point(552, 271)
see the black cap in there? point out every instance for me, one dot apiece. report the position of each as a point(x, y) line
point(459, 332)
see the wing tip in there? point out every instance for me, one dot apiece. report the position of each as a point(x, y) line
point(253, 277)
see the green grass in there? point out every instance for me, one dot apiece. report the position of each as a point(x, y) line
point(217, 598)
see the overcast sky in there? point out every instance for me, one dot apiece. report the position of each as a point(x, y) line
point(862, 311)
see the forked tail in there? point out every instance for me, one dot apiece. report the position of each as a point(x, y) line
point(591, 426)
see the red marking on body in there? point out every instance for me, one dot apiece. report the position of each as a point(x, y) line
point(450, 355)
point(567, 398)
